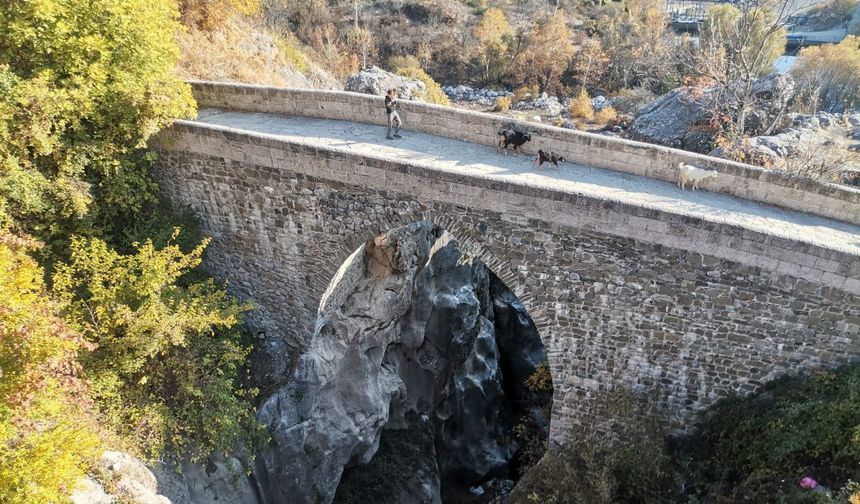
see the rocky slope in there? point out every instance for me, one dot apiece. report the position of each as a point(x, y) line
point(681, 118)
point(418, 364)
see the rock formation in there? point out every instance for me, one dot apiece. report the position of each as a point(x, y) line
point(681, 118)
point(119, 477)
point(376, 81)
point(418, 366)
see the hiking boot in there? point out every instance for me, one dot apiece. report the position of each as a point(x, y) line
point(389, 137)
point(397, 136)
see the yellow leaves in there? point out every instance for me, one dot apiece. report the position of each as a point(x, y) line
point(581, 106)
point(493, 31)
point(149, 324)
point(434, 93)
point(548, 54)
point(830, 74)
point(605, 115)
point(46, 440)
point(503, 104)
point(46, 452)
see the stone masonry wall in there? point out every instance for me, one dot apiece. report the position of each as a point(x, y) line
point(745, 181)
point(624, 298)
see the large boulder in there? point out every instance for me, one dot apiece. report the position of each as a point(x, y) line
point(127, 479)
point(215, 482)
point(405, 375)
point(376, 81)
point(682, 118)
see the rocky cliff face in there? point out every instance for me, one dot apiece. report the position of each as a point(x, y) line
point(412, 384)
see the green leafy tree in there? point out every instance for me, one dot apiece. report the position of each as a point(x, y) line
point(83, 84)
point(167, 355)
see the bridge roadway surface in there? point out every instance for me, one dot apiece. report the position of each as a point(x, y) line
point(422, 149)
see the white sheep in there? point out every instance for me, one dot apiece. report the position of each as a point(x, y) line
point(689, 173)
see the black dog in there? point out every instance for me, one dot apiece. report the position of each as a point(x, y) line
point(547, 157)
point(512, 137)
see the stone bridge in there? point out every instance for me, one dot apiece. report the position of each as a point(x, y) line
point(633, 283)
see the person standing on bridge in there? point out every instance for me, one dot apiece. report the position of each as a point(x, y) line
point(393, 117)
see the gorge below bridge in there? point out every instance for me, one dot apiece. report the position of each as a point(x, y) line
point(632, 283)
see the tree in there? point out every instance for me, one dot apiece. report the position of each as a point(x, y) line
point(638, 41)
point(547, 55)
point(494, 36)
point(590, 64)
point(48, 437)
point(737, 45)
point(829, 75)
point(153, 349)
point(83, 84)
point(360, 43)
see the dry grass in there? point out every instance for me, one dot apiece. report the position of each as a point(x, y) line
point(240, 51)
point(605, 115)
point(503, 104)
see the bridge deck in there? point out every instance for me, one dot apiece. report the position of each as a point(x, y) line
point(468, 158)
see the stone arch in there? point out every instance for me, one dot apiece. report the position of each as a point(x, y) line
point(469, 240)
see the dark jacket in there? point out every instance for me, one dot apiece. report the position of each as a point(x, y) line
point(389, 104)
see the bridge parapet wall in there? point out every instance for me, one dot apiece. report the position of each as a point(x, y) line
point(657, 162)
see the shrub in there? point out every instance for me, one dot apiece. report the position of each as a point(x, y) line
point(594, 467)
point(523, 93)
point(293, 56)
point(541, 379)
point(397, 62)
point(434, 93)
point(605, 115)
point(581, 107)
point(503, 104)
point(48, 438)
point(791, 425)
point(629, 101)
point(818, 159)
point(829, 75)
point(167, 357)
